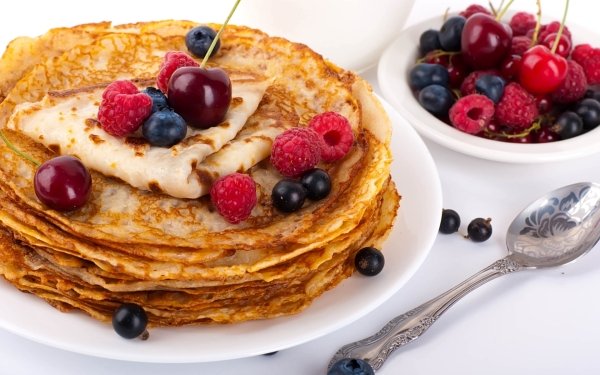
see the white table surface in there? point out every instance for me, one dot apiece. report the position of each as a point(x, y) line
point(531, 322)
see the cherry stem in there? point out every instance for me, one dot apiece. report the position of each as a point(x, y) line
point(12, 147)
point(504, 10)
point(561, 28)
point(492, 8)
point(437, 54)
point(535, 126)
point(214, 42)
point(445, 17)
point(538, 24)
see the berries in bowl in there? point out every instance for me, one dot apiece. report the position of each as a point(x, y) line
point(514, 102)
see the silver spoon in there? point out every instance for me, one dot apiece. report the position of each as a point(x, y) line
point(554, 230)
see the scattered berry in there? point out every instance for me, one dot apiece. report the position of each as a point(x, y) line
point(568, 125)
point(573, 87)
point(436, 99)
point(63, 183)
point(429, 41)
point(517, 109)
point(521, 23)
point(490, 86)
point(472, 113)
point(589, 111)
point(474, 9)
point(123, 108)
point(199, 39)
point(288, 195)
point(336, 135)
point(173, 60)
point(234, 196)
point(369, 261)
point(450, 221)
point(450, 33)
point(164, 128)
point(130, 321)
point(159, 100)
point(479, 229)
point(351, 366)
point(295, 151)
point(423, 75)
point(317, 184)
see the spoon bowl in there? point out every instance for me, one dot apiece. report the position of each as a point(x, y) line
point(556, 229)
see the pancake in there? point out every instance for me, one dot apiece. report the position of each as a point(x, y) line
point(164, 246)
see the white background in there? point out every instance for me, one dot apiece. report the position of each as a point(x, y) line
point(538, 322)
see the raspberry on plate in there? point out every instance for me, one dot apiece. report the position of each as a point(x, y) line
point(517, 109)
point(472, 113)
point(295, 151)
point(124, 108)
point(336, 134)
point(573, 87)
point(173, 60)
point(591, 66)
point(234, 197)
point(581, 52)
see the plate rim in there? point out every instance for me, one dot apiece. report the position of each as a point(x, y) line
point(113, 347)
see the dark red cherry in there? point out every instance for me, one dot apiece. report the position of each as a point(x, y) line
point(545, 135)
point(457, 70)
point(542, 71)
point(510, 67)
point(564, 44)
point(201, 96)
point(485, 41)
point(63, 183)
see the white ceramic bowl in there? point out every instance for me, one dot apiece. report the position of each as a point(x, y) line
point(393, 69)
point(350, 33)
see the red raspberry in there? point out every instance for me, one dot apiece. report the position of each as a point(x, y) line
point(519, 45)
point(591, 66)
point(553, 27)
point(521, 23)
point(474, 9)
point(336, 134)
point(295, 151)
point(581, 52)
point(173, 60)
point(468, 85)
point(472, 113)
point(517, 108)
point(123, 108)
point(234, 196)
point(573, 87)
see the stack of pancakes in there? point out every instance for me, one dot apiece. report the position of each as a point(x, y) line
point(177, 257)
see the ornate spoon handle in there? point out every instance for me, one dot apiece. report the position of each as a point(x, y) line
point(411, 325)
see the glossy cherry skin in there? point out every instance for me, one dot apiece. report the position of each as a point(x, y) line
point(564, 44)
point(510, 67)
point(542, 72)
point(485, 42)
point(201, 96)
point(63, 183)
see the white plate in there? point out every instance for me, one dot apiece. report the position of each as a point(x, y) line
point(414, 232)
point(392, 72)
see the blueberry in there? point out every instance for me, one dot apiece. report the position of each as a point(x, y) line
point(423, 75)
point(317, 184)
point(490, 86)
point(450, 33)
point(589, 111)
point(450, 221)
point(436, 99)
point(199, 39)
point(369, 261)
point(479, 229)
point(593, 94)
point(164, 128)
point(288, 195)
point(568, 125)
point(351, 366)
point(130, 320)
point(159, 100)
point(429, 41)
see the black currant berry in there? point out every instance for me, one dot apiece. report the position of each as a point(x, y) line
point(369, 261)
point(130, 320)
point(450, 221)
point(479, 229)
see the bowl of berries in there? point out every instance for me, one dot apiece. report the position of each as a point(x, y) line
point(498, 84)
